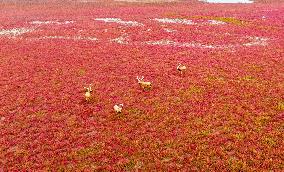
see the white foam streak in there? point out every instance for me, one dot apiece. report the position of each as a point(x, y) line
point(119, 21)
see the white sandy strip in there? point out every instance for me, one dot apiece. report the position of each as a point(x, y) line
point(51, 22)
point(123, 39)
point(174, 21)
point(165, 42)
point(187, 22)
point(255, 41)
point(215, 22)
point(15, 31)
point(169, 30)
point(75, 38)
point(119, 21)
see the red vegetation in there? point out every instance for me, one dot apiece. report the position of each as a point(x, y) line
point(224, 113)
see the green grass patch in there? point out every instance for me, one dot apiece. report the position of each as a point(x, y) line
point(173, 100)
point(198, 121)
point(281, 165)
point(269, 141)
point(205, 133)
point(130, 165)
point(59, 71)
point(20, 153)
point(226, 129)
point(40, 113)
point(194, 90)
point(87, 151)
point(230, 20)
point(135, 111)
point(56, 83)
point(280, 106)
point(239, 136)
point(161, 109)
point(262, 120)
point(248, 78)
point(227, 108)
point(174, 15)
point(254, 67)
point(236, 164)
point(81, 72)
point(71, 121)
point(191, 92)
point(215, 79)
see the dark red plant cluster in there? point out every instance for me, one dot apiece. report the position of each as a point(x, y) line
point(225, 113)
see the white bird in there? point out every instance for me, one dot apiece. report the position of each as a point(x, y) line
point(118, 108)
point(181, 68)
